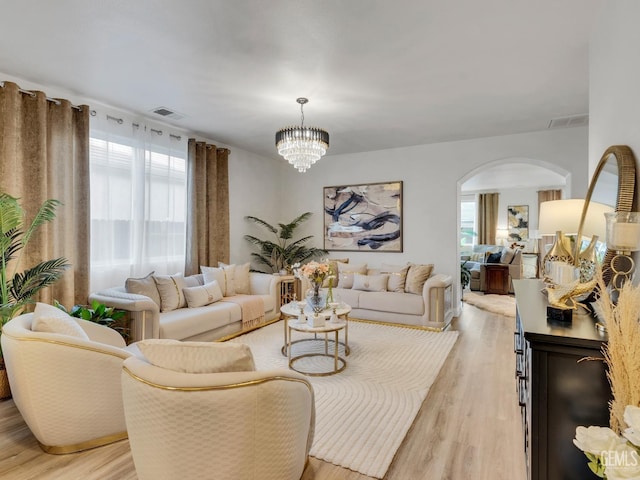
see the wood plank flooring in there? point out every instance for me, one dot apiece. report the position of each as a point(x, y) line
point(468, 427)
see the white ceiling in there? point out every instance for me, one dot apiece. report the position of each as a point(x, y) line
point(379, 74)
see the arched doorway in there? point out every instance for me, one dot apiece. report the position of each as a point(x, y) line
point(517, 180)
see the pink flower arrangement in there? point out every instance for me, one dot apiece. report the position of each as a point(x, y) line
point(316, 272)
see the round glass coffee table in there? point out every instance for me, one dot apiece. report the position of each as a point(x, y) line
point(339, 363)
point(291, 311)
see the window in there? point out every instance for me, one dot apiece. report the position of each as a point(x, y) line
point(467, 223)
point(138, 203)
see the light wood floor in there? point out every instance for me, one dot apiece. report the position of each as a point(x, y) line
point(468, 427)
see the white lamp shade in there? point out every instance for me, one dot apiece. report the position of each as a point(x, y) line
point(564, 215)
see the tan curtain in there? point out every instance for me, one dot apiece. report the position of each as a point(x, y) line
point(548, 195)
point(487, 218)
point(207, 206)
point(44, 153)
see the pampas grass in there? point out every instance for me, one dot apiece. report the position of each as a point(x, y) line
point(622, 352)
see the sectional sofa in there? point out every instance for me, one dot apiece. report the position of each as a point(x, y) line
point(404, 294)
point(222, 317)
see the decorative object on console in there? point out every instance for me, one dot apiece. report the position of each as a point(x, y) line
point(623, 237)
point(612, 184)
point(365, 217)
point(622, 440)
point(302, 146)
point(518, 218)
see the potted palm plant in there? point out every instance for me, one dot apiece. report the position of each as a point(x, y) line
point(17, 289)
point(284, 252)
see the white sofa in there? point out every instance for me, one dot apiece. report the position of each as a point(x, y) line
point(432, 309)
point(209, 322)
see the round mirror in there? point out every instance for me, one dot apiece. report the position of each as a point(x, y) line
point(613, 183)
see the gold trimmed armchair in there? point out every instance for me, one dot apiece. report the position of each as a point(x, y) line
point(66, 388)
point(253, 425)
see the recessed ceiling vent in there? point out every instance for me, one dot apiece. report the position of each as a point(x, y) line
point(167, 113)
point(572, 121)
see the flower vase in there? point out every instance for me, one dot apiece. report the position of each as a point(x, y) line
point(587, 261)
point(557, 253)
point(316, 297)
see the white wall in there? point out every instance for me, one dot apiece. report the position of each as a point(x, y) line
point(614, 81)
point(430, 174)
point(254, 189)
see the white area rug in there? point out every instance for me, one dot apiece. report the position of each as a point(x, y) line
point(364, 412)
point(502, 304)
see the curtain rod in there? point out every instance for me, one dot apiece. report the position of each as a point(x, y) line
point(31, 93)
point(120, 121)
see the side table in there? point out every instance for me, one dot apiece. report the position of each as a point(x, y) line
point(496, 278)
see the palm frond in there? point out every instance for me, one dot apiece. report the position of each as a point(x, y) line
point(25, 285)
point(286, 230)
point(11, 214)
point(46, 213)
point(264, 224)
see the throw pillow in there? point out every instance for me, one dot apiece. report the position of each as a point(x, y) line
point(50, 319)
point(507, 255)
point(220, 276)
point(346, 272)
point(202, 294)
point(478, 257)
point(370, 283)
point(229, 279)
point(240, 277)
point(170, 289)
point(494, 257)
point(194, 280)
point(143, 286)
point(198, 357)
point(416, 277)
point(333, 267)
point(397, 276)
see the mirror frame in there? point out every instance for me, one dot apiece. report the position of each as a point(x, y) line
point(624, 197)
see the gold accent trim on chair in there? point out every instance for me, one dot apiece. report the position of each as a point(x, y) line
point(87, 445)
point(72, 345)
point(217, 387)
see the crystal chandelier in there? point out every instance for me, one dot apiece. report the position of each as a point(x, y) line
point(302, 146)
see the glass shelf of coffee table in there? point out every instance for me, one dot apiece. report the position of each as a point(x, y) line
point(291, 312)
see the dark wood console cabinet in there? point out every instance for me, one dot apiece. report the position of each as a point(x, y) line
point(496, 278)
point(556, 391)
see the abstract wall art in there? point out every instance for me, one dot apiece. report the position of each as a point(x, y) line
point(518, 219)
point(365, 217)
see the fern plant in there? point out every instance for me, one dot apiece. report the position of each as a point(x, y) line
point(283, 252)
point(17, 289)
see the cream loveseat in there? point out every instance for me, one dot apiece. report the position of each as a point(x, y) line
point(151, 318)
point(405, 294)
